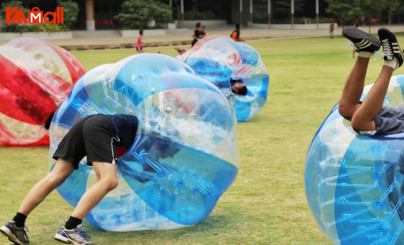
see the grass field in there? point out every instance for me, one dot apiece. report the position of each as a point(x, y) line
point(267, 202)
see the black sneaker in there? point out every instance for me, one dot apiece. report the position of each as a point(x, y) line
point(362, 40)
point(15, 234)
point(391, 48)
point(74, 236)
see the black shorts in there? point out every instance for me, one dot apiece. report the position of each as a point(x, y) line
point(94, 137)
point(139, 49)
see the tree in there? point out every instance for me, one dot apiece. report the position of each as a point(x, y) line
point(12, 4)
point(12, 27)
point(70, 12)
point(391, 6)
point(372, 9)
point(344, 9)
point(369, 9)
point(281, 8)
point(137, 13)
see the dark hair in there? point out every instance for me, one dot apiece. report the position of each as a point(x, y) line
point(237, 25)
point(243, 91)
point(198, 24)
point(140, 32)
point(234, 80)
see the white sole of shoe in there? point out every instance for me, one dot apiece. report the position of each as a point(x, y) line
point(63, 239)
point(10, 235)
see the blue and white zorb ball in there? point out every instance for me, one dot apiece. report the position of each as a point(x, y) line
point(219, 59)
point(354, 183)
point(190, 120)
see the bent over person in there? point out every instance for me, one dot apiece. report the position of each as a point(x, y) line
point(96, 137)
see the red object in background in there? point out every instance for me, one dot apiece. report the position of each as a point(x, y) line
point(358, 20)
point(104, 22)
point(21, 99)
point(376, 20)
point(35, 78)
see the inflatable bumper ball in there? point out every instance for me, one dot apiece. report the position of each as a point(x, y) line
point(175, 108)
point(354, 183)
point(221, 60)
point(35, 78)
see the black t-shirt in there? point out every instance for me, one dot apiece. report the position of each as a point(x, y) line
point(196, 33)
point(125, 128)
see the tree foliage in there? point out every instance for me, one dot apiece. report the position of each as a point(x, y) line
point(344, 9)
point(282, 8)
point(70, 12)
point(350, 9)
point(137, 13)
point(12, 4)
point(393, 5)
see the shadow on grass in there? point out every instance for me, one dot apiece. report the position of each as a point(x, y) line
point(213, 225)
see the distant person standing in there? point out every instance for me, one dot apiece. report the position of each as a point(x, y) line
point(138, 44)
point(200, 31)
point(235, 35)
point(197, 33)
point(332, 27)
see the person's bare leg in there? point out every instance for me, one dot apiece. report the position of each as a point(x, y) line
point(363, 119)
point(353, 89)
point(365, 44)
point(107, 181)
point(40, 191)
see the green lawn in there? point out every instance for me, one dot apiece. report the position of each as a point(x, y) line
point(267, 202)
